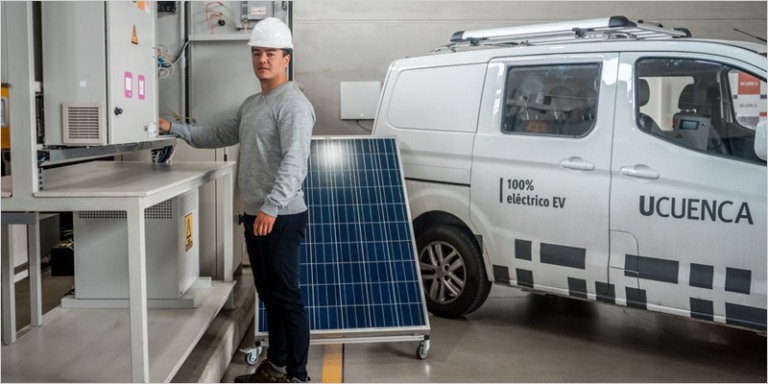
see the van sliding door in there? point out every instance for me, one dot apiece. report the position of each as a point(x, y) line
point(540, 171)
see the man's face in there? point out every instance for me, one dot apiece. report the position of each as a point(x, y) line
point(269, 63)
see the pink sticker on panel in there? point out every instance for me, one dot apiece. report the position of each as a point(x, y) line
point(141, 87)
point(128, 85)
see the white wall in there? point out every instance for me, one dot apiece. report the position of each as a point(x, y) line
point(356, 41)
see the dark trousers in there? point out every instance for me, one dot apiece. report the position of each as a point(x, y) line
point(275, 264)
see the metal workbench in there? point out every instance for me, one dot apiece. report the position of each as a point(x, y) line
point(121, 186)
point(71, 344)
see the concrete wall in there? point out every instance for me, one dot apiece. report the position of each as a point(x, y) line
point(356, 41)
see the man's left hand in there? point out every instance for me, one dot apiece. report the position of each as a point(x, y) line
point(262, 226)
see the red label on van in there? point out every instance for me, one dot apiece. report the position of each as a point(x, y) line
point(748, 84)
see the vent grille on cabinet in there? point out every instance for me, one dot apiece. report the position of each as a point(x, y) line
point(84, 123)
point(187, 202)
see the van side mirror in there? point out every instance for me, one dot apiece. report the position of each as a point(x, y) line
point(761, 140)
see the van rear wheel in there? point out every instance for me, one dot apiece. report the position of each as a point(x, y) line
point(452, 271)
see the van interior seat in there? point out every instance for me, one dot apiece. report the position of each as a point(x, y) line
point(575, 114)
point(691, 127)
point(686, 101)
point(587, 101)
point(643, 96)
point(699, 105)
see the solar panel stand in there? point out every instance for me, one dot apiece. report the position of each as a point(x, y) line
point(367, 199)
point(422, 350)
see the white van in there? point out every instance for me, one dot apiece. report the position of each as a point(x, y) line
point(602, 159)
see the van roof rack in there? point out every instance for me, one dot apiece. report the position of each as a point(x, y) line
point(614, 27)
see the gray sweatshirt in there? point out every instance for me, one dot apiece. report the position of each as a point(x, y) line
point(274, 132)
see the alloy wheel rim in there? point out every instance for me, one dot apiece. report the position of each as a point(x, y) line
point(443, 272)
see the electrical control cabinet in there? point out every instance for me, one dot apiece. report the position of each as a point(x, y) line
point(172, 258)
point(99, 72)
point(251, 12)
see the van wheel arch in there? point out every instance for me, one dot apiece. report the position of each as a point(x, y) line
point(432, 218)
point(450, 231)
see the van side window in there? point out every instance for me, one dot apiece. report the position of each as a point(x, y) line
point(681, 100)
point(559, 100)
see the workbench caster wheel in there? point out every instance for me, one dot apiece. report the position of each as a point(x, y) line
point(252, 355)
point(423, 350)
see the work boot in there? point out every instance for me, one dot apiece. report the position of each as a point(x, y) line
point(292, 379)
point(265, 373)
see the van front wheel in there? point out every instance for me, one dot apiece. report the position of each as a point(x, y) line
point(452, 272)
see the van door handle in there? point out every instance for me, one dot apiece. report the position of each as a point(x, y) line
point(640, 171)
point(577, 164)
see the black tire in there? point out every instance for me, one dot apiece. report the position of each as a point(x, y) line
point(476, 284)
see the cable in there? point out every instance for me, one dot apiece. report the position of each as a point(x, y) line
point(171, 151)
point(165, 62)
point(179, 117)
point(164, 155)
point(213, 13)
point(220, 16)
point(161, 157)
point(181, 52)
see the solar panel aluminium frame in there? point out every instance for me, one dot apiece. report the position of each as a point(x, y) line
point(367, 335)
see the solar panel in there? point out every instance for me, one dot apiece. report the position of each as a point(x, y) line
point(359, 269)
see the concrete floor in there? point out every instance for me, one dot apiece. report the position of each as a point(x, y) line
point(521, 337)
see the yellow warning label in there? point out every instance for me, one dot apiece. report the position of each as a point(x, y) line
point(134, 38)
point(188, 230)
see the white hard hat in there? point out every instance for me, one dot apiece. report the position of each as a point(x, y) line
point(271, 33)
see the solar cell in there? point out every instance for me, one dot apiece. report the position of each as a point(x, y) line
point(358, 262)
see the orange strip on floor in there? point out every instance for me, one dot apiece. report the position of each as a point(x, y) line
point(333, 363)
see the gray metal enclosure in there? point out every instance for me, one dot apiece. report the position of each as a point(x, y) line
point(99, 73)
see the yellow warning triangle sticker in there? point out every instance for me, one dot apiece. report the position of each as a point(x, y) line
point(134, 38)
point(188, 231)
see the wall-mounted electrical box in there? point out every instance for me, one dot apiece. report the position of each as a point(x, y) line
point(359, 99)
point(251, 12)
point(99, 72)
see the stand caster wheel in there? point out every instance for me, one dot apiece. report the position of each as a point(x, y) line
point(423, 350)
point(252, 355)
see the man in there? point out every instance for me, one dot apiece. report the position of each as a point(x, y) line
point(274, 129)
